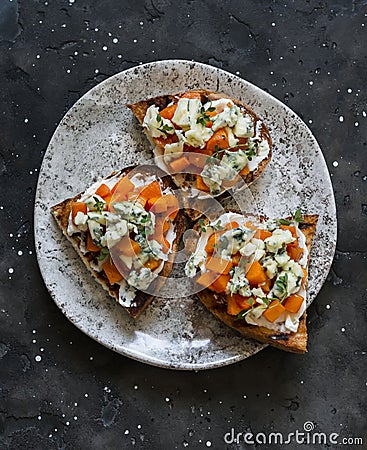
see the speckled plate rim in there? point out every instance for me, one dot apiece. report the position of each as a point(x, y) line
point(154, 361)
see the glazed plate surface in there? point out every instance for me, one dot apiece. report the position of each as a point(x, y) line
point(98, 135)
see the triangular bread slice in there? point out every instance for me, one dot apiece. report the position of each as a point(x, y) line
point(295, 342)
point(62, 211)
point(187, 181)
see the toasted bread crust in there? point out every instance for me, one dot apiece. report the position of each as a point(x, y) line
point(61, 213)
point(139, 110)
point(291, 342)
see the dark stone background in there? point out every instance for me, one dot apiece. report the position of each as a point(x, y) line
point(309, 54)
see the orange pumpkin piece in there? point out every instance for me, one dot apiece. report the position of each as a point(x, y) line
point(266, 286)
point(218, 140)
point(191, 95)
point(197, 159)
point(162, 141)
point(157, 205)
point(161, 225)
point(127, 246)
point(209, 248)
point(295, 253)
point(262, 234)
point(91, 246)
point(103, 190)
point(293, 303)
point(256, 274)
point(152, 264)
point(113, 275)
point(230, 226)
point(136, 197)
point(200, 184)
point(236, 259)
point(173, 205)
point(219, 265)
point(245, 171)
point(274, 310)
point(232, 306)
point(250, 225)
point(123, 187)
point(151, 190)
point(219, 285)
point(206, 279)
point(293, 231)
point(168, 112)
point(243, 302)
point(78, 207)
point(179, 164)
point(305, 273)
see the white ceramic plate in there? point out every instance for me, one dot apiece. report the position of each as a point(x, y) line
point(99, 134)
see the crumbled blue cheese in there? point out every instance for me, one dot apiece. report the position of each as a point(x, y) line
point(141, 279)
point(232, 140)
point(235, 160)
point(259, 293)
point(288, 280)
point(154, 126)
point(126, 294)
point(238, 283)
point(96, 231)
point(155, 249)
point(233, 240)
point(81, 220)
point(196, 260)
point(198, 135)
point(93, 201)
point(115, 232)
point(213, 175)
point(172, 149)
point(278, 239)
point(127, 260)
point(270, 266)
point(260, 249)
point(244, 127)
point(282, 258)
point(187, 112)
point(136, 217)
point(228, 117)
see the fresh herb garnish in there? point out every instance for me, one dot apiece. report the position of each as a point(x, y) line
point(282, 284)
point(163, 127)
point(296, 217)
point(99, 205)
point(218, 226)
point(201, 225)
point(204, 117)
point(250, 153)
point(103, 254)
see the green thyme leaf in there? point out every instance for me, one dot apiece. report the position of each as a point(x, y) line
point(297, 216)
point(99, 205)
point(201, 225)
point(283, 222)
point(103, 254)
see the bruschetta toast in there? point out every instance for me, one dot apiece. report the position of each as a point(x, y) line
point(125, 228)
point(252, 275)
point(206, 140)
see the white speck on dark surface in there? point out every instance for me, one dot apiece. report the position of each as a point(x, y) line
point(38, 358)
